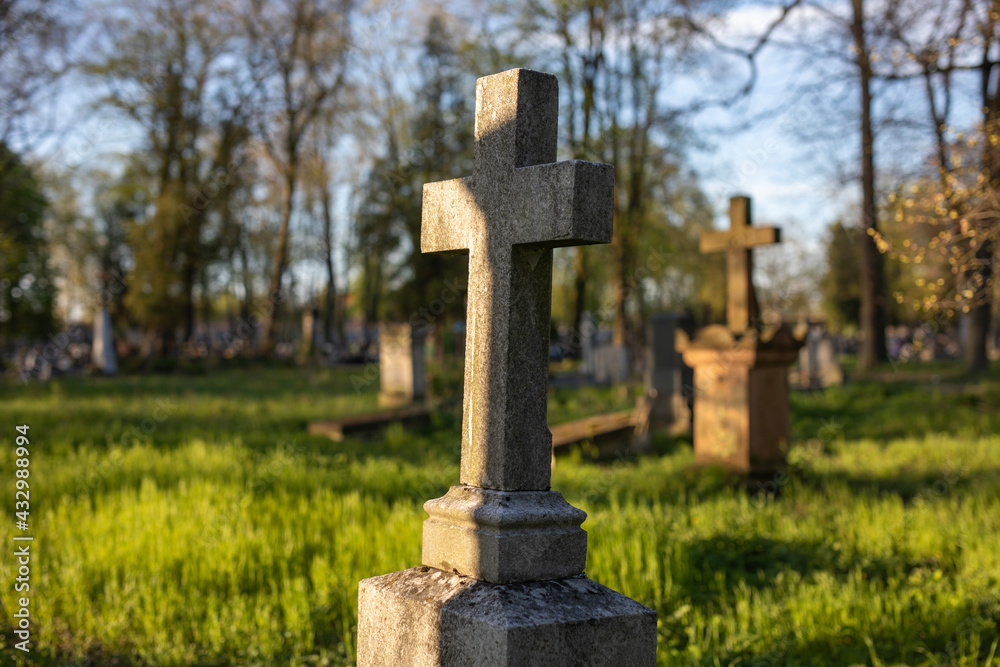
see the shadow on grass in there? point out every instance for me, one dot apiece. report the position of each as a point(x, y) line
point(717, 564)
point(898, 409)
point(907, 485)
point(948, 637)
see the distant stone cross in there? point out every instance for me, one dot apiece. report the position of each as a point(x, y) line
point(507, 216)
point(741, 300)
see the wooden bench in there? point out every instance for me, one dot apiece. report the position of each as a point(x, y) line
point(608, 435)
point(372, 424)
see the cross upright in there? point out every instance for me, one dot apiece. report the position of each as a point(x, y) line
point(517, 205)
point(741, 300)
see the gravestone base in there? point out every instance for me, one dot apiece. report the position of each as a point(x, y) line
point(504, 536)
point(394, 401)
point(425, 617)
point(741, 418)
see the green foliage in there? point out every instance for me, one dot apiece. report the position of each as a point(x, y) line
point(907, 282)
point(27, 293)
point(196, 131)
point(192, 521)
point(842, 283)
point(425, 289)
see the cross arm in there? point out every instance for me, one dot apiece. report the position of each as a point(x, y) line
point(745, 238)
point(444, 226)
point(564, 204)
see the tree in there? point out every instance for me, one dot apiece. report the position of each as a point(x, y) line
point(88, 240)
point(841, 283)
point(33, 46)
point(845, 49)
point(616, 60)
point(27, 292)
point(956, 201)
point(580, 26)
point(872, 349)
point(170, 71)
point(318, 179)
point(298, 55)
point(440, 146)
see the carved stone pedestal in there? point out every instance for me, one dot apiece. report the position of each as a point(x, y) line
point(741, 397)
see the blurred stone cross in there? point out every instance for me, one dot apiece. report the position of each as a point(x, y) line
point(502, 579)
point(741, 300)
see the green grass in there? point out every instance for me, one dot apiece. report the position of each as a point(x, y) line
point(191, 520)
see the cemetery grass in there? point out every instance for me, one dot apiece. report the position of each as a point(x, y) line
point(191, 520)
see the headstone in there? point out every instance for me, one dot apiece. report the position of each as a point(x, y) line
point(103, 350)
point(831, 374)
point(818, 365)
point(741, 383)
point(312, 341)
point(502, 579)
point(668, 375)
point(402, 365)
point(611, 364)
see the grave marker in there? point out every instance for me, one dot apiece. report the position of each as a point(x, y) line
point(741, 370)
point(502, 579)
point(402, 365)
point(668, 375)
point(741, 300)
point(103, 350)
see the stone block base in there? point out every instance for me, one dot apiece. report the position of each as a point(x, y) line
point(425, 617)
point(504, 537)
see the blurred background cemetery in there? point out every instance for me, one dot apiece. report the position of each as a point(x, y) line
point(243, 378)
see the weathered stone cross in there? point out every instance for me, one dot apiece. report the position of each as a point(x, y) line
point(502, 578)
point(508, 216)
point(741, 300)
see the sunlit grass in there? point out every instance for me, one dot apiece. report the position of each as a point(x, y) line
point(225, 535)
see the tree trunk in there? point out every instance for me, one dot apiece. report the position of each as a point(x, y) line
point(280, 257)
point(872, 350)
point(981, 273)
point(580, 287)
point(330, 305)
point(188, 313)
point(976, 359)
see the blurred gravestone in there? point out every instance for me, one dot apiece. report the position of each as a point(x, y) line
point(502, 580)
point(611, 364)
point(402, 365)
point(668, 375)
point(741, 371)
point(102, 353)
point(818, 365)
point(312, 342)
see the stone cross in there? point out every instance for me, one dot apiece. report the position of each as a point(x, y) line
point(502, 579)
point(741, 300)
point(517, 205)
